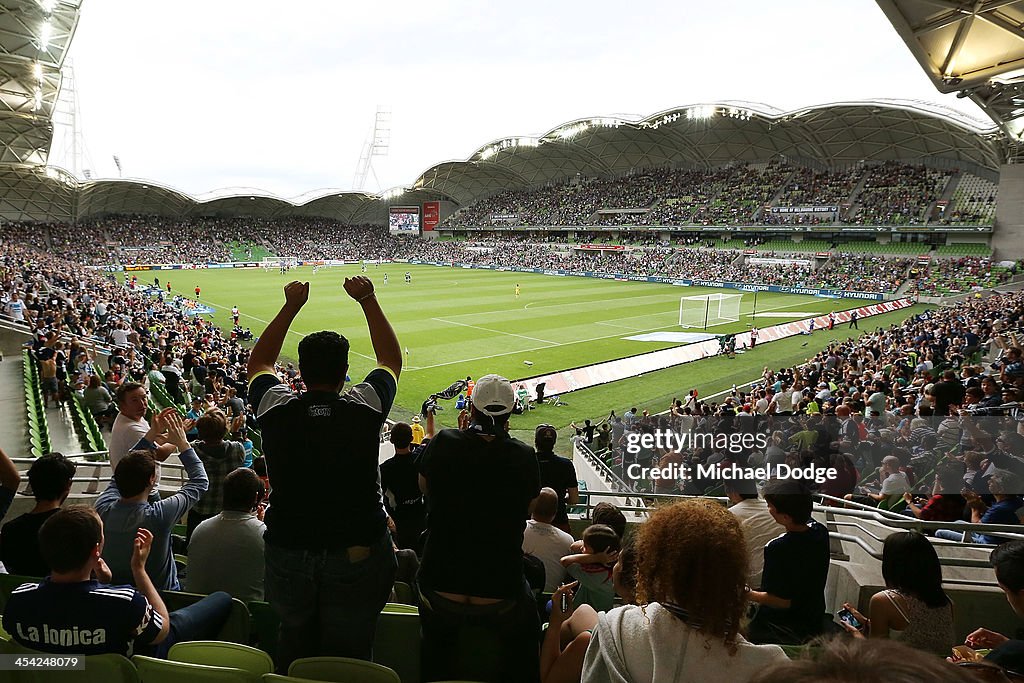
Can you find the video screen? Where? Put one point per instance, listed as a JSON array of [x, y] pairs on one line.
[[404, 220]]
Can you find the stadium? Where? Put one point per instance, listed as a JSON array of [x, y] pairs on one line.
[[725, 391]]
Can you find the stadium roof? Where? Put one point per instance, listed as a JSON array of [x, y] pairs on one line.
[[34, 37], [714, 134], [971, 47], [702, 135]]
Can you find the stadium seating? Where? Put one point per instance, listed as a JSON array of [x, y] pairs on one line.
[[218, 653], [38, 432], [964, 249], [974, 202], [397, 644], [153, 670], [341, 669], [89, 434], [235, 630], [107, 668]]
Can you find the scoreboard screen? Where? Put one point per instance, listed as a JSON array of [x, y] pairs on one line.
[[404, 220]]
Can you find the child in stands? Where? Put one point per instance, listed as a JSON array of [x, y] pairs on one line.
[[593, 568]]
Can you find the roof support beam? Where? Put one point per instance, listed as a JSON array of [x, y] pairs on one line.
[[999, 21], [958, 40]]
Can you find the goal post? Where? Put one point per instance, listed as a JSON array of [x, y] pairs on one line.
[[708, 310]]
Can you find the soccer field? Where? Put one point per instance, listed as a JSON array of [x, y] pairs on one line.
[[456, 322]]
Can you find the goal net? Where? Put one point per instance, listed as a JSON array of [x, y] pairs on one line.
[[278, 261], [707, 310]]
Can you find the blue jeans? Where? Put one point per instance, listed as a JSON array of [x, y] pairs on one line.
[[328, 600], [959, 536], [202, 620]]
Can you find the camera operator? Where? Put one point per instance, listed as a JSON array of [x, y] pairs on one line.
[[471, 578]]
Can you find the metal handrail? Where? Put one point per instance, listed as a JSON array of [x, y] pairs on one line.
[[8, 323]]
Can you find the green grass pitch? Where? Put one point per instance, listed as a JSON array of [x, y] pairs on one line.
[[457, 322]]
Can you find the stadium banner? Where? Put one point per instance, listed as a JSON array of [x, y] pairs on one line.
[[765, 261], [610, 371], [805, 209], [431, 215], [602, 247]]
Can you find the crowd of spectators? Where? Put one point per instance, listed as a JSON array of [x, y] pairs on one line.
[[895, 391], [888, 401], [863, 272], [898, 194], [891, 193], [123, 240], [964, 274]]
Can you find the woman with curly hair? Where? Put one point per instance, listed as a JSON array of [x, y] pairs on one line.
[[690, 578]]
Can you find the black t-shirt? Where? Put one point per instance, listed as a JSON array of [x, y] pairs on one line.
[[478, 500], [796, 568], [947, 393], [399, 480], [559, 474], [322, 454], [19, 545]]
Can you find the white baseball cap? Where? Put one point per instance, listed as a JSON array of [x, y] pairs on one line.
[[493, 396]]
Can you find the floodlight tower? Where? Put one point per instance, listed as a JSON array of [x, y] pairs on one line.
[[74, 154], [376, 146]]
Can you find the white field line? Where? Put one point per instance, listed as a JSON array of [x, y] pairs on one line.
[[487, 329], [551, 345]]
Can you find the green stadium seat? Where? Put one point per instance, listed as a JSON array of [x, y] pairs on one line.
[[108, 668], [153, 670], [401, 608], [341, 670], [266, 627], [218, 653], [403, 593], [235, 629], [397, 644]]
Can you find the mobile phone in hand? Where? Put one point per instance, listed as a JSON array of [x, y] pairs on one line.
[[846, 616], [564, 604]]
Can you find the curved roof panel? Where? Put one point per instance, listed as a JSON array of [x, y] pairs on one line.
[[697, 136], [714, 134], [130, 196], [27, 193]]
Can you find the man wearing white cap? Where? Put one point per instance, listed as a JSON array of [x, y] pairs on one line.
[[478, 616]]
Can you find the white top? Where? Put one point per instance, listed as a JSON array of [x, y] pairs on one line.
[[759, 527], [650, 645], [896, 484], [784, 402], [119, 337], [123, 436], [237, 536], [549, 545]]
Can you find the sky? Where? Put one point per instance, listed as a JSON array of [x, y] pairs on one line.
[[203, 95]]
